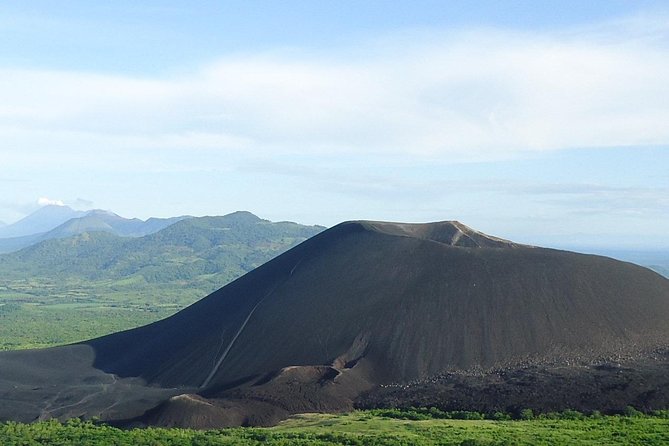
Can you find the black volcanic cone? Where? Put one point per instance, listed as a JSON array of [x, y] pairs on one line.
[[369, 303]]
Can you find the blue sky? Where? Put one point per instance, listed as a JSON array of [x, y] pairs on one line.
[[544, 122]]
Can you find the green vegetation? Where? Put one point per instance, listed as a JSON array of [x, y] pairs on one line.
[[67, 290], [362, 428]]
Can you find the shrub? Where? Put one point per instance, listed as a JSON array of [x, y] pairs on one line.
[[569, 414], [526, 414], [660, 414], [500, 416], [630, 411], [466, 415]]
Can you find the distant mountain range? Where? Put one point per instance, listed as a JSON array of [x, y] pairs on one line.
[[44, 219], [61, 290], [54, 222], [189, 247]]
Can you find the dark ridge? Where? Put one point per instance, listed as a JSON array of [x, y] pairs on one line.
[[427, 308], [452, 233]]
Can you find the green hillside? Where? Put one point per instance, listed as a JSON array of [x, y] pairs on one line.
[[64, 290]]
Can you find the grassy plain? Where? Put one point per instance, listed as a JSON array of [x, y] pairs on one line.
[[42, 312], [360, 428]]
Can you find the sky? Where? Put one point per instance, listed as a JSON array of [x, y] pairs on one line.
[[542, 122]]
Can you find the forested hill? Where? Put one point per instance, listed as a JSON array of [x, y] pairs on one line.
[[226, 246], [70, 289]]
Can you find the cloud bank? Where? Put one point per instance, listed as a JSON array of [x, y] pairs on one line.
[[464, 96]]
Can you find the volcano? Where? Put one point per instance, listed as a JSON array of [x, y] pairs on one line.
[[368, 314]]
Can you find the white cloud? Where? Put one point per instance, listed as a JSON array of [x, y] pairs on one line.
[[472, 95], [43, 201]]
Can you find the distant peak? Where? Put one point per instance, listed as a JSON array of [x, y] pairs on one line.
[[244, 216], [55, 208], [450, 232], [102, 212]]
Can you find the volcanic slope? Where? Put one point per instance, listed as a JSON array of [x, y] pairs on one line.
[[353, 310]]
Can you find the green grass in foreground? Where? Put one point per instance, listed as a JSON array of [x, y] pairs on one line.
[[359, 428]]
